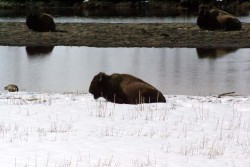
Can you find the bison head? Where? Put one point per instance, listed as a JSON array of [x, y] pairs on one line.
[[207, 20], [32, 21], [98, 85]]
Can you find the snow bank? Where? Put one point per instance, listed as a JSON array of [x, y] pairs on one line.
[[39, 129]]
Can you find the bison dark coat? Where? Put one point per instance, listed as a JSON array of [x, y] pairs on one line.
[[40, 22], [124, 88], [215, 19]]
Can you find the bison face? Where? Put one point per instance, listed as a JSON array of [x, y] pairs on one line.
[[32, 21], [201, 20], [208, 21], [98, 85]]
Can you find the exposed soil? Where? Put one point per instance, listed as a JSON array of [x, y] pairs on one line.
[[125, 35]]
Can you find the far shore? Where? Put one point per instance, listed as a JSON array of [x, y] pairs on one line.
[[91, 4]]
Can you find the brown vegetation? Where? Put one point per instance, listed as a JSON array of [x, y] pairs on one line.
[[125, 35]]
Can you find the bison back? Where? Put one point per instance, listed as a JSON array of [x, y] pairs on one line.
[[140, 92], [47, 23], [229, 23]]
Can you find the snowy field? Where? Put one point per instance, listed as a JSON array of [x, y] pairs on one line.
[[74, 130]]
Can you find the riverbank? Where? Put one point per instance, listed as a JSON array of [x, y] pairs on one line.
[[124, 35], [192, 5], [91, 5], [31, 4]]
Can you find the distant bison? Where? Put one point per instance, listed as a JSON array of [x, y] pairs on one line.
[[11, 88], [42, 22], [124, 88], [215, 19]]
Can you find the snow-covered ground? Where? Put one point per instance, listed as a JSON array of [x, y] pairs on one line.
[[74, 130]]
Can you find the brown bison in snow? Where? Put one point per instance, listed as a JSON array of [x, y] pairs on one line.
[[42, 22], [215, 19], [124, 88]]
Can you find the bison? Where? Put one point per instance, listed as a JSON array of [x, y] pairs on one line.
[[41, 22], [215, 19], [11, 88], [124, 88]]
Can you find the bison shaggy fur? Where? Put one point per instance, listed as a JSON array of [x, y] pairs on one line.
[[215, 19], [41, 22], [124, 88]]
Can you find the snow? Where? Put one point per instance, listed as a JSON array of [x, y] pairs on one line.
[[64, 130]]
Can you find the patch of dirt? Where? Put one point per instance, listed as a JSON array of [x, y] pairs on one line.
[[125, 35]]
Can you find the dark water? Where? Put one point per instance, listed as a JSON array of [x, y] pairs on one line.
[[119, 15], [173, 71]]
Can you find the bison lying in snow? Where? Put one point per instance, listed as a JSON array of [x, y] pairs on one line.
[[124, 88], [215, 19]]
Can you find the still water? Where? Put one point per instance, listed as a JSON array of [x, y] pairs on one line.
[[186, 71]]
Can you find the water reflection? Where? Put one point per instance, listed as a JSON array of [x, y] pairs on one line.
[[214, 52], [39, 50], [171, 70]]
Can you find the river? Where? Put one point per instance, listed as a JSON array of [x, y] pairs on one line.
[[177, 71]]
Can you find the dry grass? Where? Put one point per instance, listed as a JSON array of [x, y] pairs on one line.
[[125, 35]]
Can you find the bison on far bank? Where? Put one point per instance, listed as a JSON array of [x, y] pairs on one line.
[[124, 88], [215, 19], [40, 22]]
